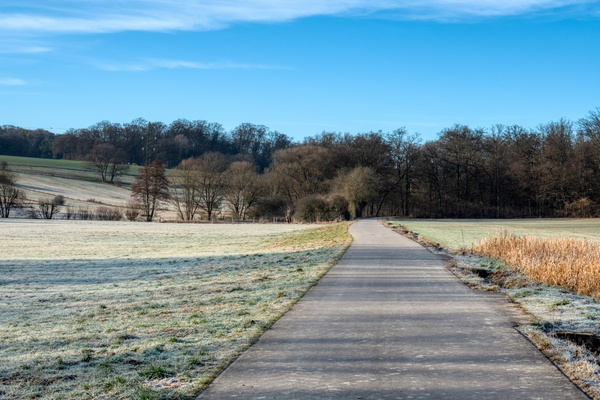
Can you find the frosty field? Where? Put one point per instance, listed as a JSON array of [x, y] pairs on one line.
[[117, 310], [45, 178], [457, 234]]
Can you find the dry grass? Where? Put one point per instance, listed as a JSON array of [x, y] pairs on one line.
[[573, 264], [116, 310]]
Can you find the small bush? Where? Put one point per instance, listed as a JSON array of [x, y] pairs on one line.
[[338, 206], [69, 213], [313, 209], [32, 213], [84, 214], [108, 214], [268, 208], [132, 211]]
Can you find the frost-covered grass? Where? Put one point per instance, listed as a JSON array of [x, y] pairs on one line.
[[115, 310], [576, 362], [41, 178], [462, 234], [77, 192]]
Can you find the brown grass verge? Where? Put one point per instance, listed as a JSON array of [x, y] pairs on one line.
[[573, 264]]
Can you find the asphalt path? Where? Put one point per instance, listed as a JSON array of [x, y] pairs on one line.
[[389, 322]]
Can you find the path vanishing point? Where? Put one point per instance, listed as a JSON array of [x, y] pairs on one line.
[[389, 322]]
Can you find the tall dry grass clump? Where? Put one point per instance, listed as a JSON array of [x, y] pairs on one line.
[[573, 264]]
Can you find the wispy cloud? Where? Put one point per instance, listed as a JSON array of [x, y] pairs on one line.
[[460, 10], [33, 50], [152, 64], [12, 82], [25, 49], [95, 16]]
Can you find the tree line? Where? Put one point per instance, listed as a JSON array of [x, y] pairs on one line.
[[141, 142], [249, 172]]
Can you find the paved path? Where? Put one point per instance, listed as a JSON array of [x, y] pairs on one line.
[[388, 322]]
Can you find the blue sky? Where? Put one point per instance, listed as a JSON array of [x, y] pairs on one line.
[[299, 67]]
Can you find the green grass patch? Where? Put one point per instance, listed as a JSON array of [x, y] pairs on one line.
[[18, 163]]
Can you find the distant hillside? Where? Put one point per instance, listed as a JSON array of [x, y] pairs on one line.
[[45, 178]]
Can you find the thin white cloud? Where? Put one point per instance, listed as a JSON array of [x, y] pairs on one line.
[[153, 64], [467, 9], [12, 82], [94, 16], [33, 50], [11, 49]]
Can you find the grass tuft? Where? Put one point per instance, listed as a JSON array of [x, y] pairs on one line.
[[154, 372]]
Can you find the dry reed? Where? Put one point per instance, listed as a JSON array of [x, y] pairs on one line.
[[573, 264]]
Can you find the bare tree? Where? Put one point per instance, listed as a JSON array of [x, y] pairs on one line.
[[403, 149], [185, 190], [65, 146], [49, 207], [299, 172], [242, 188], [10, 195], [556, 163], [150, 188], [589, 154], [524, 152], [107, 161], [590, 126], [211, 181]]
